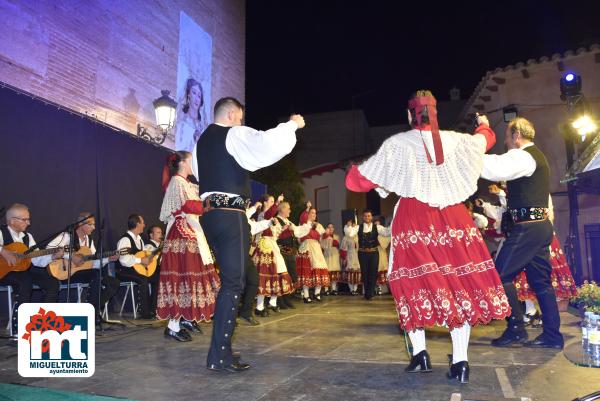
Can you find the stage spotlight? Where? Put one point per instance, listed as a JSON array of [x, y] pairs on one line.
[[584, 126], [570, 85]]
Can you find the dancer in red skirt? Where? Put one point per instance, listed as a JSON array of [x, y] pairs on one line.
[[330, 242], [188, 284], [441, 272], [310, 262], [273, 278]]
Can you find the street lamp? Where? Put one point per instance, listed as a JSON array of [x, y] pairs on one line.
[[164, 109]]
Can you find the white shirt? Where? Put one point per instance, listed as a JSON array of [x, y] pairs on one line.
[[64, 239], [352, 231], [515, 163], [151, 246], [125, 242], [40, 261], [253, 149]]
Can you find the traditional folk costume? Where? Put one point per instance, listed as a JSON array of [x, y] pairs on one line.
[[224, 157], [368, 253], [528, 241], [273, 278], [382, 248], [310, 262], [440, 272], [351, 275], [331, 252], [189, 283]]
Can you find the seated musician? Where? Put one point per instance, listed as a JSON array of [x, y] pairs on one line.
[[125, 271], [155, 235], [18, 219], [97, 295]]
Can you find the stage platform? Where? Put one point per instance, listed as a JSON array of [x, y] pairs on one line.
[[342, 349]]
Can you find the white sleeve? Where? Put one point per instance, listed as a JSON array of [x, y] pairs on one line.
[[384, 231], [195, 163], [480, 220], [250, 211], [127, 260], [351, 231], [258, 226], [320, 229], [301, 231], [40, 261], [492, 211], [515, 163], [254, 149], [550, 209]]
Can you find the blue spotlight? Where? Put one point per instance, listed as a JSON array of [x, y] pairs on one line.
[[570, 85], [569, 77]]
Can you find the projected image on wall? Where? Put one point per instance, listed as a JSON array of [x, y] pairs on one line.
[[194, 70]]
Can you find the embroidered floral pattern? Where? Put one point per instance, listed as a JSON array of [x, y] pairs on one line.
[[448, 237]]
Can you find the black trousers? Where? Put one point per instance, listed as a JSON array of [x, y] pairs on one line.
[[147, 301], [22, 284], [527, 248], [369, 266], [97, 294], [250, 289], [290, 263], [228, 234]]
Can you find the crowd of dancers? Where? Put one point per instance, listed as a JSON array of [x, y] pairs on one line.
[[222, 258]]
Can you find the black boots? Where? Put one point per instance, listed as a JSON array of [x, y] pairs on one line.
[[459, 371], [419, 363]]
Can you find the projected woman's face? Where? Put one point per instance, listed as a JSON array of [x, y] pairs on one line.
[[195, 97]]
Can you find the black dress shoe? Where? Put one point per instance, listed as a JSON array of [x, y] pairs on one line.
[[261, 313], [318, 298], [542, 342], [459, 371], [334, 292], [419, 363], [191, 326], [307, 300], [180, 335], [234, 367], [510, 338], [250, 320], [275, 309]]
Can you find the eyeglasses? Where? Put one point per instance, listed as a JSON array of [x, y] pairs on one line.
[[24, 220]]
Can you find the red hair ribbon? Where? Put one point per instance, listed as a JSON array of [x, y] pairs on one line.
[[166, 174], [419, 104]]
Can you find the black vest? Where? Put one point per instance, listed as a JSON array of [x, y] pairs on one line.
[[133, 250], [531, 191], [290, 241], [367, 240], [8, 239], [217, 169]]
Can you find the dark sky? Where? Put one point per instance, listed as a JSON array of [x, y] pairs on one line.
[[318, 56]]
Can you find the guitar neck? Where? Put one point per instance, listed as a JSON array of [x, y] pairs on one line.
[[107, 254], [41, 252]]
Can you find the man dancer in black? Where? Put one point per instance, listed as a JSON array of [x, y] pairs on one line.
[[225, 154], [526, 171], [368, 254]]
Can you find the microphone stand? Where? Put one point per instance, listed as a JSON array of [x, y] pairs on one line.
[[101, 322]]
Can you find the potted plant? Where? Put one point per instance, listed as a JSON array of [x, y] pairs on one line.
[[587, 298]]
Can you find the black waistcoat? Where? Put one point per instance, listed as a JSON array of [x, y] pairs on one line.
[[367, 240], [8, 239], [531, 191], [217, 169]]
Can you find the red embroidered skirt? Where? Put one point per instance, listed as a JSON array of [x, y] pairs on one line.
[[352, 277], [382, 278], [335, 276], [271, 283], [187, 287], [442, 272], [562, 280], [309, 276]]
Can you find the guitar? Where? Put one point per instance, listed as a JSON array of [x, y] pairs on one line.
[[23, 257], [59, 268], [149, 270]]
